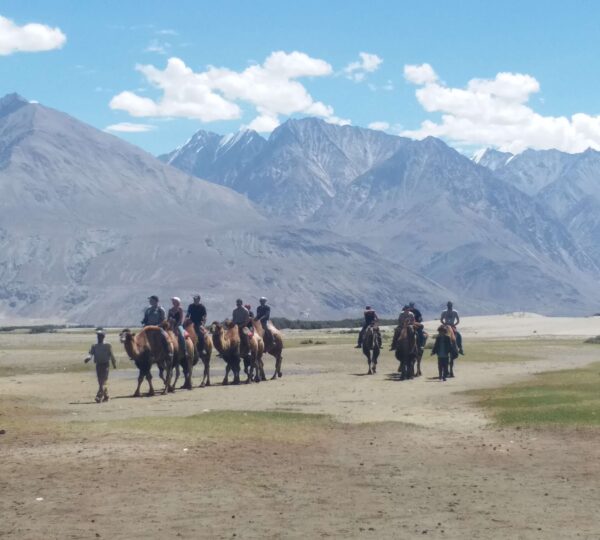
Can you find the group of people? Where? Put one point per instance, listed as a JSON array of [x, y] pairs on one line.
[[196, 312], [448, 342]]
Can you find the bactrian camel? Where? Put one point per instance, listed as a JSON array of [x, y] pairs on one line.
[[150, 345], [204, 354], [273, 343], [226, 339], [186, 359]]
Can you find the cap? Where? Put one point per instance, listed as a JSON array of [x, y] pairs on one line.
[[153, 297], [262, 299], [176, 298], [100, 332], [196, 296]]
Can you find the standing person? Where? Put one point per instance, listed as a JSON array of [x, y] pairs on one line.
[[175, 318], [155, 314], [102, 354], [444, 348], [196, 313], [450, 317], [370, 317]]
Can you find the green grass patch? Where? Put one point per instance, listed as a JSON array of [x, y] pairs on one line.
[[563, 398], [233, 425]]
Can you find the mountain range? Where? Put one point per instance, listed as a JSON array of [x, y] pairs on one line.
[[91, 225], [322, 219], [471, 225]]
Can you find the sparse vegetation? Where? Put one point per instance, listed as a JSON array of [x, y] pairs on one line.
[[564, 398]]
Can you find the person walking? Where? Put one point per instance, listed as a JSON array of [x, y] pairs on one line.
[[101, 353], [444, 348]]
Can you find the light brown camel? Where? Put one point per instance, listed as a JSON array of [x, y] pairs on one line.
[[273, 343], [150, 345], [255, 368], [204, 354], [186, 359], [226, 339]]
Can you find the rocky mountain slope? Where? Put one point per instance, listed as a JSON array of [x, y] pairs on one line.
[[91, 225], [422, 204], [567, 185]]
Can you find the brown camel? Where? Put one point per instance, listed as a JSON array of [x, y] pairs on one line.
[[273, 343], [150, 345], [186, 359], [407, 350], [226, 339], [255, 368], [371, 346], [204, 354]]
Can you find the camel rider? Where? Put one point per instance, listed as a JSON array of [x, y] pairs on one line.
[[406, 317], [263, 312], [175, 317], [370, 317], [418, 319], [196, 313], [450, 318], [155, 314], [241, 317]]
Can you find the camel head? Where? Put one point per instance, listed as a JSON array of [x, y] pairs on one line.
[[126, 335]]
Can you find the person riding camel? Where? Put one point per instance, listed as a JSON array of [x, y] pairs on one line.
[[175, 318], [196, 313], [263, 312], [419, 327], [155, 314], [406, 318], [450, 318], [370, 318], [241, 317]]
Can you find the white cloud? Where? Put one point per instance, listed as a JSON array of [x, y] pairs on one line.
[[495, 112], [126, 127], [271, 88], [167, 32], [367, 63], [422, 74], [379, 126], [32, 37]]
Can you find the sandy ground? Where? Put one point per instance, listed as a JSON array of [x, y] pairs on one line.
[[397, 460]]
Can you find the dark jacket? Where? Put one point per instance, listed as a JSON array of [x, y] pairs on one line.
[[370, 316], [196, 313], [417, 314], [444, 347], [263, 313]]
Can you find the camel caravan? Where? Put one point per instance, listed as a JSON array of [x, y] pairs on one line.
[[175, 342], [409, 342]]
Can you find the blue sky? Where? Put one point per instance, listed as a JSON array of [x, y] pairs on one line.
[[549, 49]]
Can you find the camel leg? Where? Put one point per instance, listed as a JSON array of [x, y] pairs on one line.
[[236, 370], [260, 376], [149, 379], [227, 370], [140, 379], [278, 361], [206, 374]]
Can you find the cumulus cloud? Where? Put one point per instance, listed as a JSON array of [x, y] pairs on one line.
[[367, 63], [127, 127], [422, 74], [271, 88], [32, 37], [495, 112]]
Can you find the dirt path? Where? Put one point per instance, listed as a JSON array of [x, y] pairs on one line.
[[402, 459]]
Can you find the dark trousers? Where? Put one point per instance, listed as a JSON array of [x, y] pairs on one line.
[[361, 334], [200, 334], [458, 340], [443, 366]]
